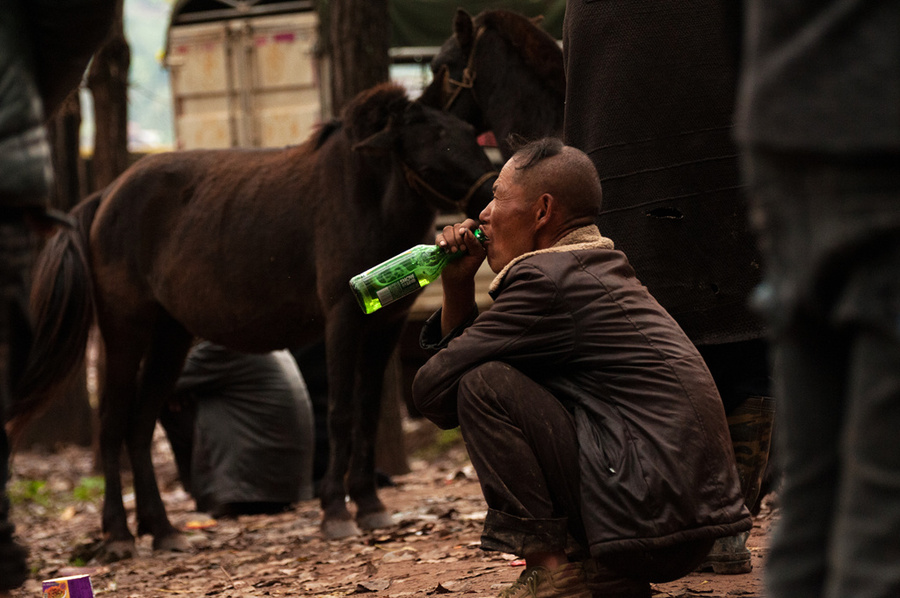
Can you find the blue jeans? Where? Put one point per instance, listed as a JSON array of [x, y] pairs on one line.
[[830, 237]]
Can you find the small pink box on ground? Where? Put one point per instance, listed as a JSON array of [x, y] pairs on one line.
[[75, 586]]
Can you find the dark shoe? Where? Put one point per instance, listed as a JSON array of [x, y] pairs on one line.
[[566, 581], [729, 556]]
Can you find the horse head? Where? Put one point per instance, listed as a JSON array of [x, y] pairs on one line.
[[438, 153], [454, 70], [500, 71]]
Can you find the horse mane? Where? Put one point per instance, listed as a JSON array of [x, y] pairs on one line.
[[370, 111], [538, 48], [365, 114]]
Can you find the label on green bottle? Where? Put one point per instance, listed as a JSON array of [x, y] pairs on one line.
[[398, 289]]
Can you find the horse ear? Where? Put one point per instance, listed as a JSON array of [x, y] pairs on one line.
[[536, 21], [433, 95], [463, 29]]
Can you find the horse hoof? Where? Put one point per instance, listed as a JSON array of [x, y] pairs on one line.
[[117, 550], [335, 529], [172, 543], [376, 520]]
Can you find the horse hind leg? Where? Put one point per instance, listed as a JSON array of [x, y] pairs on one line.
[[119, 391], [162, 366]]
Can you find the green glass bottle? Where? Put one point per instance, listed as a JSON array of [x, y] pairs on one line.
[[402, 274]]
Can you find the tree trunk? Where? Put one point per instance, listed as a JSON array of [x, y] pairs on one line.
[[63, 131], [108, 82], [359, 38], [358, 42]]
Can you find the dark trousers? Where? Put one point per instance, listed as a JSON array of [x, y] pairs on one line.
[[830, 234], [523, 446], [16, 244], [522, 443]]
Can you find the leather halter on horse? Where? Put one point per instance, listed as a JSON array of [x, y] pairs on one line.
[[421, 186], [451, 88]]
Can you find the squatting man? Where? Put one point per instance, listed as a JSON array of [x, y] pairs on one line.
[[594, 426]]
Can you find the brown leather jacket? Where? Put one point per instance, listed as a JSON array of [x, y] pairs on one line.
[[656, 461]]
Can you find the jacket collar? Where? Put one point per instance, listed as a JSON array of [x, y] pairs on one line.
[[586, 237]]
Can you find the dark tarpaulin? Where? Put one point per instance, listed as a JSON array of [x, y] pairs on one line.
[[652, 105]]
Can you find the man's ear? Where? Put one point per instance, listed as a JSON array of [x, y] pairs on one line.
[[544, 208]]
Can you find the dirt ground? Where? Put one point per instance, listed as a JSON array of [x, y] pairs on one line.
[[433, 548]]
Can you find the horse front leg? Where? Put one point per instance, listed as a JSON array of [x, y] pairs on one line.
[[341, 354], [377, 347], [163, 364], [343, 351]]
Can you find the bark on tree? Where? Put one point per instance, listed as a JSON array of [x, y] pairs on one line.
[[63, 132], [358, 41], [108, 82], [359, 38]]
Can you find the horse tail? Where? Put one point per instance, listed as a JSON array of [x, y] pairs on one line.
[[62, 311]]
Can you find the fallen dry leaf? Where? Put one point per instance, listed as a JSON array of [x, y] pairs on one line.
[[435, 547], [404, 554], [446, 587], [372, 585]]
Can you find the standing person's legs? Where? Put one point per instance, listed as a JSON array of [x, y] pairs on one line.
[[809, 369], [865, 550], [15, 258], [13, 568], [826, 224]]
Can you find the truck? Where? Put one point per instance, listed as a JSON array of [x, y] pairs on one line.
[[250, 73], [245, 75]]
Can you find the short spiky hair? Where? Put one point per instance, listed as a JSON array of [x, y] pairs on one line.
[[549, 166], [533, 152]]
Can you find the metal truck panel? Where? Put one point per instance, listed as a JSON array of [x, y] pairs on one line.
[[245, 82]]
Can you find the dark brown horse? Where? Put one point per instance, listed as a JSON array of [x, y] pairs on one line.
[[500, 72], [251, 249]]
